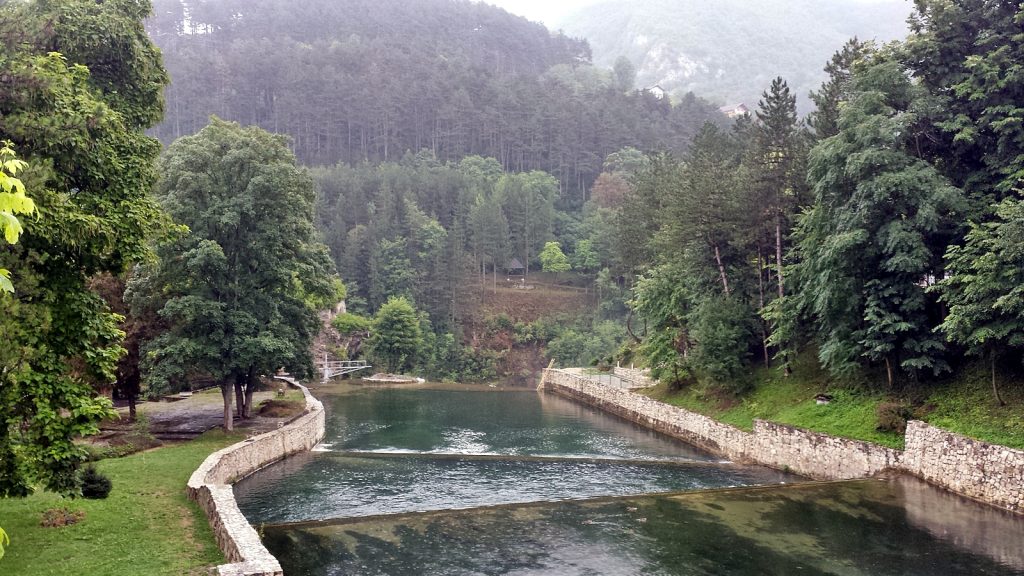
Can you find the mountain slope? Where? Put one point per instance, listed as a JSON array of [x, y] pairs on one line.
[[730, 50], [370, 80]]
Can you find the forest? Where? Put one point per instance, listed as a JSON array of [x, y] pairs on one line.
[[185, 190], [455, 78]]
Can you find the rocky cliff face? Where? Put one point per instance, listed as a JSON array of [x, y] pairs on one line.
[[332, 344], [729, 50]]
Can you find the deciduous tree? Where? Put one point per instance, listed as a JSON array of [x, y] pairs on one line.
[[984, 288], [78, 120], [238, 290], [396, 336], [552, 259], [873, 239]]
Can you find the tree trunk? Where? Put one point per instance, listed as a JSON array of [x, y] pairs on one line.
[[760, 304], [721, 270], [225, 390], [995, 389], [629, 326], [778, 253], [888, 371], [250, 389], [239, 398], [131, 407]]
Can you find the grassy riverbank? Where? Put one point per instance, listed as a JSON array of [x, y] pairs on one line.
[[146, 525], [963, 404]]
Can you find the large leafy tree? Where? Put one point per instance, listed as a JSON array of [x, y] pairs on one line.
[[396, 338], [873, 239], [665, 303], [240, 288], [967, 54], [81, 82]]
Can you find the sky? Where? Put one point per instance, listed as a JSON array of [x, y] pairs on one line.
[[552, 12]]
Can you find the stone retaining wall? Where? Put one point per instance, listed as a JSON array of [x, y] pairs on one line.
[[210, 487], [985, 472]]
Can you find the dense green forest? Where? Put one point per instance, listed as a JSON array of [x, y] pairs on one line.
[[729, 50], [354, 80], [878, 234]]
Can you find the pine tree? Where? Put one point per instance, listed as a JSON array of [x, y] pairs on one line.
[[836, 90]]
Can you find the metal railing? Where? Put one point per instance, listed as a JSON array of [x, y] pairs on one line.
[[331, 369]]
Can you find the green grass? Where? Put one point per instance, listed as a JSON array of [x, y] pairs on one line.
[[966, 405], [146, 525], [790, 400], [963, 404]]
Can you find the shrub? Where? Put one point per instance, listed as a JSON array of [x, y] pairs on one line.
[[95, 485], [892, 417], [350, 323]]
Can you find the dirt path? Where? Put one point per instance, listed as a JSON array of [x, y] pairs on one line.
[[187, 418]]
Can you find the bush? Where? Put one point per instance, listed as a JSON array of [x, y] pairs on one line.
[[350, 323], [722, 331], [892, 417], [95, 485]]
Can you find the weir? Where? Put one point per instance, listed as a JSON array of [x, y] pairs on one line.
[[475, 480]]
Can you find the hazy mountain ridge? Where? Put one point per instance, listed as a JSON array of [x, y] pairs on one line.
[[370, 80], [730, 50]]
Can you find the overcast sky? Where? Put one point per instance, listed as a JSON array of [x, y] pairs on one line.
[[551, 12]]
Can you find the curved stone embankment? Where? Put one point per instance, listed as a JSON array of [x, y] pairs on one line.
[[210, 487], [985, 472]]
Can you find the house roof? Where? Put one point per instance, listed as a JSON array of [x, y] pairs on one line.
[[734, 109], [513, 264]]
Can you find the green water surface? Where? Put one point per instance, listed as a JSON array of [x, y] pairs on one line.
[[476, 480]]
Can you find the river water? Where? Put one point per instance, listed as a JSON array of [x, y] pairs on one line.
[[477, 480]]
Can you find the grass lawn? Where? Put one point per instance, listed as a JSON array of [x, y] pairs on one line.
[[962, 404], [146, 526], [966, 406]]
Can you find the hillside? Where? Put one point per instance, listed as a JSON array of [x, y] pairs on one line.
[[358, 80], [729, 51]]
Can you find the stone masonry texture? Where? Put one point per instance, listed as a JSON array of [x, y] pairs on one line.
[[984, 472], [210, 487]]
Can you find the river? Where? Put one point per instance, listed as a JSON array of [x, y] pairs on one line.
[[459, 480]]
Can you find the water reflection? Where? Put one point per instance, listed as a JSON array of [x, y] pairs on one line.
[[329, 485], [475, 420], [842, 529], [966, 524]]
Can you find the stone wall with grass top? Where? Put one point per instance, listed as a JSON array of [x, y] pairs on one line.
[[985, 472], [210, 487]]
